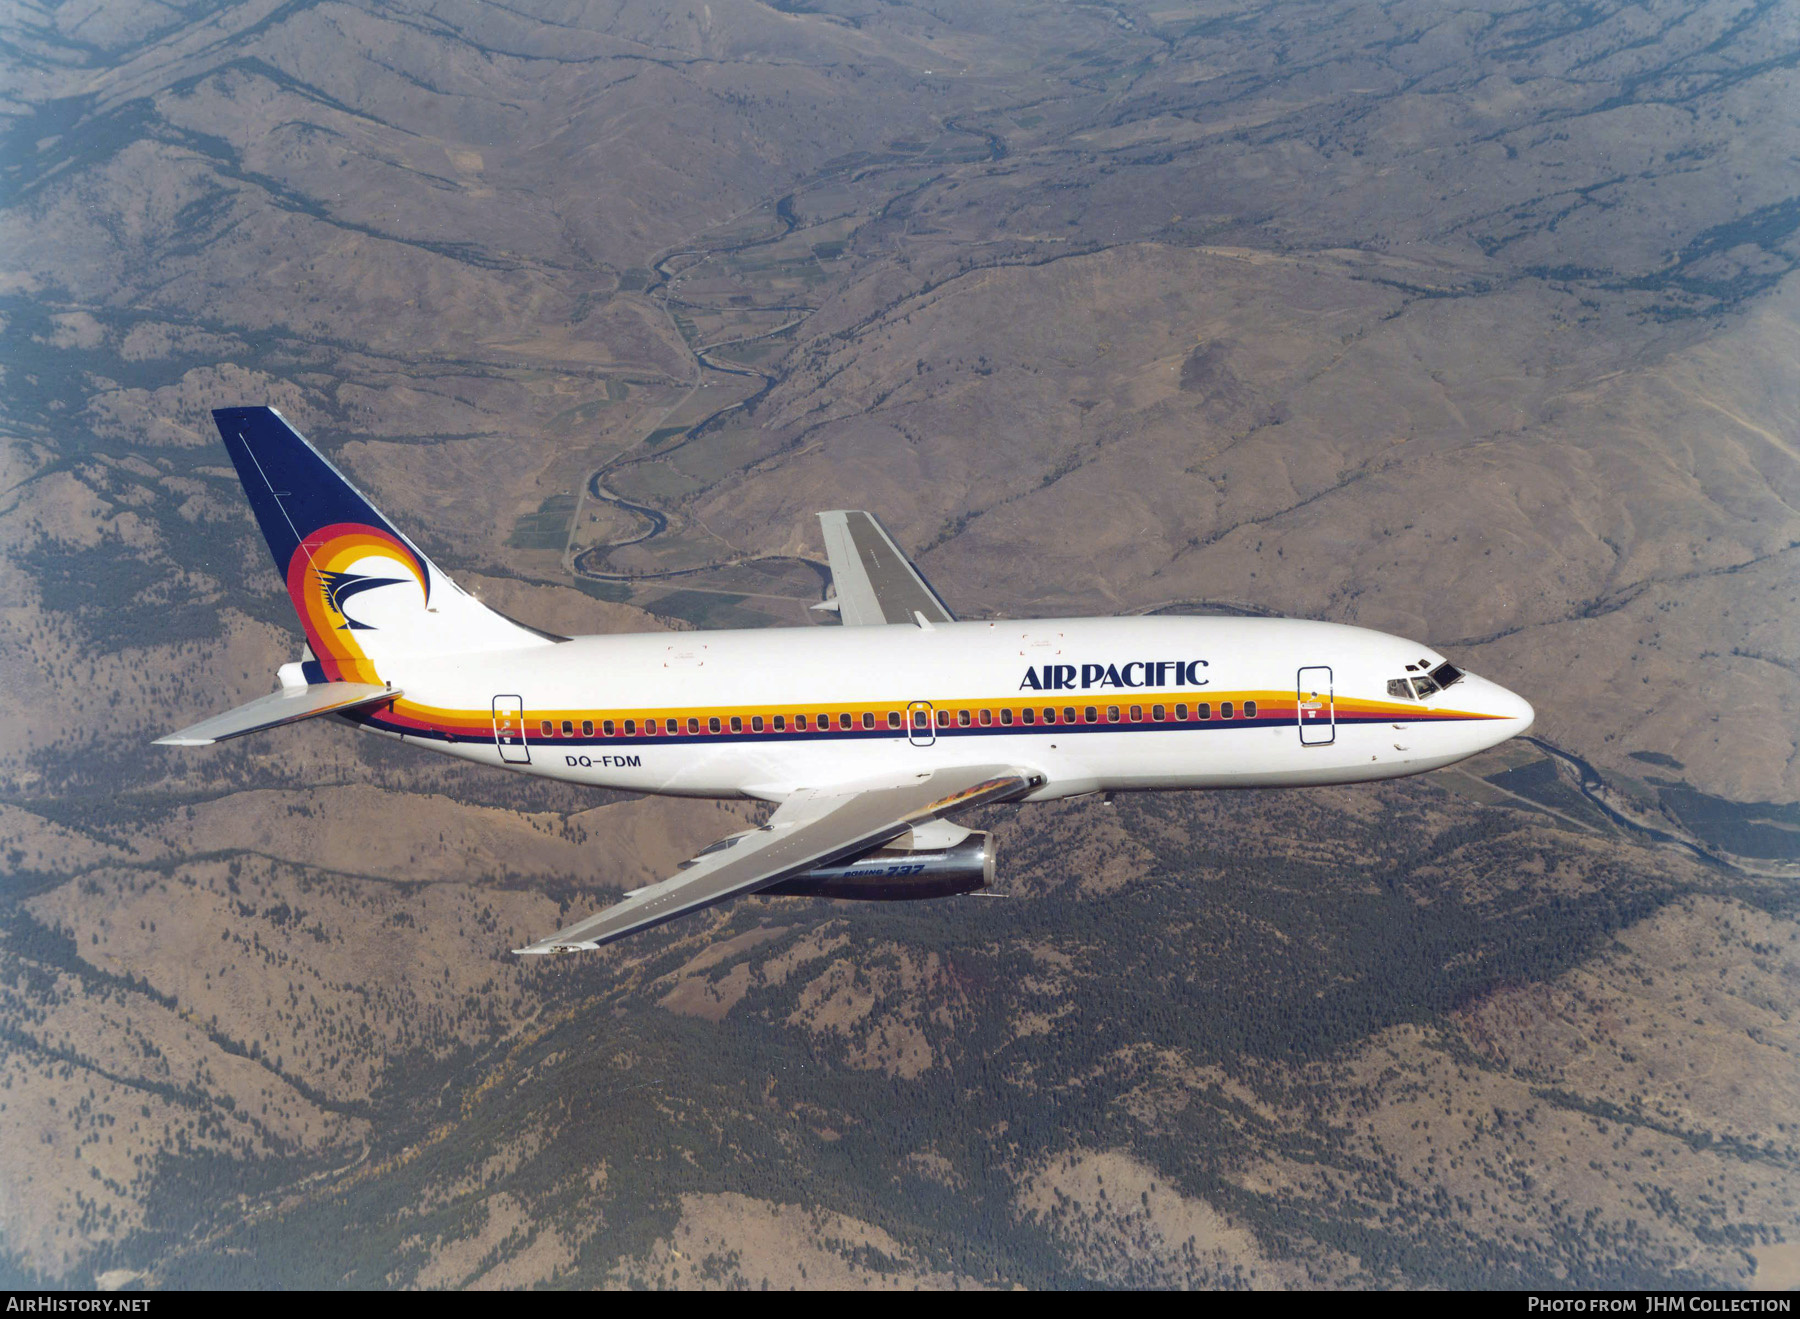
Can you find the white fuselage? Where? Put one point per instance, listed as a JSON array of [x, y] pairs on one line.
[[919, 698]]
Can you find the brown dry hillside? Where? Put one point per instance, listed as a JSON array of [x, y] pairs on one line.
[[1602, 514], [1475, 325]]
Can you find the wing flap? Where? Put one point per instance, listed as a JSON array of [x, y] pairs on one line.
[[812, 828], [286, 706], [875, 582]]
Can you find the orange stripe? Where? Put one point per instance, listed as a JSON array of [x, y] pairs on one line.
[[1270, 704]]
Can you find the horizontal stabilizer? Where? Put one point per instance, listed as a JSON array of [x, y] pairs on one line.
[[286, 706]]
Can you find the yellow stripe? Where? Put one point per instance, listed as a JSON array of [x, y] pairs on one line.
[[1286, 699]]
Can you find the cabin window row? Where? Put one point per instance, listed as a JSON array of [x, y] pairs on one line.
[[1089, 714], [921, 720], [693, 726]]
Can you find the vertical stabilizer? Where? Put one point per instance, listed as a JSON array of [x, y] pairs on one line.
[[365, 594]]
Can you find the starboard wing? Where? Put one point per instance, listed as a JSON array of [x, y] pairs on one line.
[[875, 582]]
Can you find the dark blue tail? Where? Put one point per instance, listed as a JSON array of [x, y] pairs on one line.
[[293, 489], [367, 598]]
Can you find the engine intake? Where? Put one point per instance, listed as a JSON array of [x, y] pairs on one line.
[[896, 874]]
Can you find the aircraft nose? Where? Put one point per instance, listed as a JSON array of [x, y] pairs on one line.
[[1512, 707]]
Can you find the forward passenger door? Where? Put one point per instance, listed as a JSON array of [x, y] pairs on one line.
[[1318, 718]]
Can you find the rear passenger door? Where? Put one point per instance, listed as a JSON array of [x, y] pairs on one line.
[[509, 730]]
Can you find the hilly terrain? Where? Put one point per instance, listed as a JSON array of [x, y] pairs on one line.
[[1475, 325]]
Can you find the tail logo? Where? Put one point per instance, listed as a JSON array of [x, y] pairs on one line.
[[329, 569], [340, 586]]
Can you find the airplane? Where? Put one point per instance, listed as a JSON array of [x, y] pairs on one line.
[[864, 736]]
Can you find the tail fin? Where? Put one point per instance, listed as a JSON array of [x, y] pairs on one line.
[[365, 594]]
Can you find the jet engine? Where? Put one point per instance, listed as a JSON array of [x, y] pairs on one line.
[[895, 872]]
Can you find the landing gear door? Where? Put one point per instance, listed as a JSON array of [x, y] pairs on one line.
[[1318, 720], [509, 730], [921, 724]]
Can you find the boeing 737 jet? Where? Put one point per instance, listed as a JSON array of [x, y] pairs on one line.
[[864, 736]]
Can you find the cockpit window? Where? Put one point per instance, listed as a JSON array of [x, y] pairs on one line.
[[1421, 685]]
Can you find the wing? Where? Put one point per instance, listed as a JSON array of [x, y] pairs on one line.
[[281, 707], [813, 827], [875, 582]]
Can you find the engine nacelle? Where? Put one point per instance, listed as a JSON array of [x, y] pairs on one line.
[[897, 874]]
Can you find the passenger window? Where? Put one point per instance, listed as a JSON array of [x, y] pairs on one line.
[[1137, 713], [630, 727], [799, 723], [1112, 714], [1091, 713], [1224, 709], [737, 723], [587, 727], [824, 723], [1006, 718], [986, 717], [1156, 713], [781, 723], [962, 718], [649, 728], [1181, 711], [606, 727], [1249, 709], [1203, 710], [1069, 714], [920, 719], [1049, 714], [568, 728], [546, 727], [943, 719], [693, 725], [756, 724], [893, 719], [712, 724], [868, 720], [1028, 715], [844, 720]]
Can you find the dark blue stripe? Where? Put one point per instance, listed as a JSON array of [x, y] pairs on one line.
[[638, 740]]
